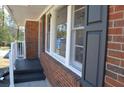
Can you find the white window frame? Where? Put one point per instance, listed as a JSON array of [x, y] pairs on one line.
[[46, 33], [73, 62], [63, 60], [76, 28], [57, 56]]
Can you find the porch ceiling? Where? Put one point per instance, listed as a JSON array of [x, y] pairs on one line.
[[22, 12]]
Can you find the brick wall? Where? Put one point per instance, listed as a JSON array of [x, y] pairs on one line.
[[57, 74], [115, 48]]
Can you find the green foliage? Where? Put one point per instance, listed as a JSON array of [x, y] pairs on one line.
[[5, 35], [21, 36]]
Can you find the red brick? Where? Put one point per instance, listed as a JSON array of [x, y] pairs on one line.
[[122, 63], [119, 23], [116, 43], [121, 78], [107, 85], [111, 9], [117, 54], [111, 74], [115, 31], [122, 55], [110, 23], [116, 46], [113, 82], [119, 7], [116, 16], [123, 47], [118, 39], [113, 61], [57, 74], [109, 38]]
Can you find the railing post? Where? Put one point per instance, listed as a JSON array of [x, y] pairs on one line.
[[11, 67], [21, 49]]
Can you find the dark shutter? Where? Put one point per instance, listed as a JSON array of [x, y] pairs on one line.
[[43, 33], [95, 45]]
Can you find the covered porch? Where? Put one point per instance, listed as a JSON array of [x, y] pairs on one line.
[[25, 68], [65, 44]]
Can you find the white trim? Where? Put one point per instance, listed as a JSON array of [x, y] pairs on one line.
[[68, 37], [11, 13], [47, 31], [53, 30], [63, 60], [45, 10], [73, 14], [78, 9], [58, 58]]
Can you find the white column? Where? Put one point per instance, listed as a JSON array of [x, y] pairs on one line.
[[68, 37], [11, 68]]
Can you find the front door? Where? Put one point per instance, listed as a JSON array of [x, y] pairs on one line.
[[31, 36]]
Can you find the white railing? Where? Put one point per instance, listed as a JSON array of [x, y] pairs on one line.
[[20, 49], [12, 58], [17, 51]]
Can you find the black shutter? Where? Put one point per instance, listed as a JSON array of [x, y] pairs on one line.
[[95, 45]]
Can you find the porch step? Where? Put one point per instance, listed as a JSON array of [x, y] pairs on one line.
[[25, 77], [28, 70]]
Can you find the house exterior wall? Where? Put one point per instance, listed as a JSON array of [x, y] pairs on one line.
[[115, 47], [59, 75]]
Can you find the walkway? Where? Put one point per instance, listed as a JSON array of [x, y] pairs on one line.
[[41, 83]]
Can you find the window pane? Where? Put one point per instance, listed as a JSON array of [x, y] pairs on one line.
[[79, 37], [79, 54], [61, 31], [48, 32], [48, 41], [79, 18]]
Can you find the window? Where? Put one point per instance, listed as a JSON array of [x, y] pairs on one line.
[[65, 30], [61, 28], [48, 32], [78, 13]]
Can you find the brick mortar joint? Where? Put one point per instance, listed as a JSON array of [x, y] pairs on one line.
[[115, 80], [114, 65]]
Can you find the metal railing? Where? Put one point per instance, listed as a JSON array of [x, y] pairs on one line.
[[17, 51], [20, 49], [12, 58]]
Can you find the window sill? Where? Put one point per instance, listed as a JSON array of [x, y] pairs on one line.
[[62, 61]]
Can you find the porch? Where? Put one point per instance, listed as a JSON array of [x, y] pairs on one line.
[[57, 36], [71, 43], [22, 72]]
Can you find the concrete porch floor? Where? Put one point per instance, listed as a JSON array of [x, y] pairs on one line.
[[41, 83]]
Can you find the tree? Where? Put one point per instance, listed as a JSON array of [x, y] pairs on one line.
[[6, 35]]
